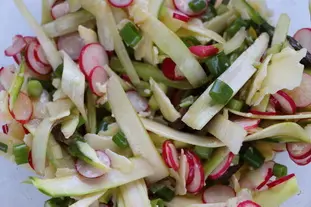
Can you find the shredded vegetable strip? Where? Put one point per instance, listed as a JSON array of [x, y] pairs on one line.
[[135, 194], [88, 200]]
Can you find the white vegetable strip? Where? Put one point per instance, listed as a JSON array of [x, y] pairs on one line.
[[59, 109], [69, 125], [168, 110], [76, 185], [202, 110], [49, 48], [39, 145], [230, 133], [100, 142], [182, 201], [220, 23], [281, 30], [119, 162], [135, 194], [74, 5], [235, 42], [73, 83], [46, 12], [88, 200], [170, 44], [132, 127], [88, 35]]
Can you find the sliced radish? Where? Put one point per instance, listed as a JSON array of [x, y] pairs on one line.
[[170, 155], [92, 55], [4, 129], [183, 6], [60, 9], [278, 147], [271, 108], [180, 16], [203, 51], [40, 55], [222, 168], [170, 70], [72, 44], [275, 103], [190, 161], [18, 45], [217, 194], [303, 36], [98, 78], [89, 171], [298, 150], [33, 64], [139, 103], [120, 3], [301, 162], [22, 109], [18, 58], [197, 183], [287, 103], [246, 123], [280, 181], [262, 113], [248, 203], [6, 77], [30, 160], [302, 94], [126, 78], [30, 39]]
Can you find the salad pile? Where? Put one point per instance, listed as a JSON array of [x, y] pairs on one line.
[[158, 103]]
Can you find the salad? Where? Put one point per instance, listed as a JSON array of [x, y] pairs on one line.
[[158, 103]]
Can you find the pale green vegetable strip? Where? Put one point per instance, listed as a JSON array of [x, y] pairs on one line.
[[168, 110], [170, 44], [235, 42], [77, 185], [91, 112], [281, 30], [132, 127], [74, 5], [46, 16], [155, 7], [125, 85], [119, 162], [88, 35], [310, 8], [230, 133], [220, 23], [39, 145], [69, 125], [100, 142], [73, 84], [119, 199], [59, 109], [135, 194], [203, 109], [49, 48], [88, 200], [183, 201], [69, 23]]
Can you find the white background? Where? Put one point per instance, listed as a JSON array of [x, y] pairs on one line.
[[15, 194]]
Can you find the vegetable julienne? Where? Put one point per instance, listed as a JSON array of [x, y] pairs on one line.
[[164, 103]]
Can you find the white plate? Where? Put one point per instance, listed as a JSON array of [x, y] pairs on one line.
[[15, 194]]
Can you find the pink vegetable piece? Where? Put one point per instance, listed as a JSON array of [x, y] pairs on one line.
[[301, 162], [183, 6], [288, 105], [120, 3], [280, 180], [18, 45], [139, 103], [72, 44], [197, 183], [246, 123], [217, 194], [60, 9], [303, 36], [22, 109], [98, 78], [248, 203], [170, 70], [204, 51], [33, 63], [190, 161], [298, 150], [180, 16], [170, 155], [222, 168]]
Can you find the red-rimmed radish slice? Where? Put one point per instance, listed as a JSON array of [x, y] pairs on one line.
[[89, 171], [40, 56], [170, 155], [22, 109], [120, 3], [6, 77], [30, 160], [248, 203], [302, 94], [60, 9], [280, 180], [217, 194], [183, 6], [190, 161], [97, 79], [287, 103], [170, 70], [298, 150], [18, 45], [4, 129], [203, 51], [262, 113], [92, 55], [139, 103], [303, 36], [246, 123], [180, 16], [197, 183], [33, 63], [278, 147], [17, 58], [273, 102], [271, 108], [72, 44], [301, 162], [222, 168], [126, 78], [30, 39]]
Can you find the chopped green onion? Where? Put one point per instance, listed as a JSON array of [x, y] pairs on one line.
[[203, 152], [253, 157], [34, 88], [221, 92], [162, 191], [143, 88], [20, 152], [236, 26], [130, 34], [218, 64], [103, 125], [235, 104], [17, 84], [46, 84], [81, 121], [186, 102], [3, 147], [58, 73], [197, 5], [190, 41], [222, 9], [279, 170], [59, 202], [157, 203], [120, 140], [209, 14]]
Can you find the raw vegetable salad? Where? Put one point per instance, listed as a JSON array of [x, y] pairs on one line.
[[154, 103]]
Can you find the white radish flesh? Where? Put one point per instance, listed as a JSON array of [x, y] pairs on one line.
[[32, 62], [60, 10], [247, 124], [170, 155], [299, 150], [183, 6], [301, 162], [30, 39], [303, 36], [40, 56], [139, 103], [6, 77], [287, 103], [120, 3], [198, 179], [248, 203], [222, 168], [22, 109], [18, 45], [218, 194], [72, 44], [97, 80]]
